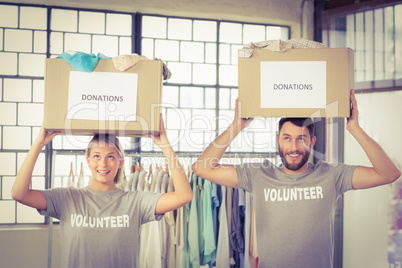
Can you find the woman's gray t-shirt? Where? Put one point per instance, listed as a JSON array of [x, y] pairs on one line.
[[100, 228]]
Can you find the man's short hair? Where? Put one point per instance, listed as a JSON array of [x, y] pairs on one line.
[[300, 122]]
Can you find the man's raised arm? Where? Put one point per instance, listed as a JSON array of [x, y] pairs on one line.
[[207, 165], [384, 170]]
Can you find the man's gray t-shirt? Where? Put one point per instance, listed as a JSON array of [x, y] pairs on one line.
[[295, 213], [100, 228]]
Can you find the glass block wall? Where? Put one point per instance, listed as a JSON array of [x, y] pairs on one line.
[[23, 47], [198, 100], [375, 34]]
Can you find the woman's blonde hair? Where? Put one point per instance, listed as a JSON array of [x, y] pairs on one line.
[[113, 141]]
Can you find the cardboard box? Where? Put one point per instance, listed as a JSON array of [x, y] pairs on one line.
[[296, 83], [103, 101]]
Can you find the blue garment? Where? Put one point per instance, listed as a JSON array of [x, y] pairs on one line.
[[84, 62], [193, 235]]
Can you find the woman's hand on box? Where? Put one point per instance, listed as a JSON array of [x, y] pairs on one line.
[[161, 140]]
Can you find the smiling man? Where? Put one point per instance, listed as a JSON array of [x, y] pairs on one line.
[[295, 202]]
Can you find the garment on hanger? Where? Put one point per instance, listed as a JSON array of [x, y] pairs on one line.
[[80, 181], [222, 253], [236, 237], [141, 180], [70, 180], [209, 246], [171, 222], [193, 237]]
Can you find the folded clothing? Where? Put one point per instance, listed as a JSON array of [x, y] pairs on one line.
[[278, 46], [82, 61], [86, 62]]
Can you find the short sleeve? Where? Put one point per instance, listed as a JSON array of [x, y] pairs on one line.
[[53, 202], [245, 173], [148, 206], [343, 175]]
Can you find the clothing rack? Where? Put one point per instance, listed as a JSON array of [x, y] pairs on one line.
[[137, 155], [133, 153]]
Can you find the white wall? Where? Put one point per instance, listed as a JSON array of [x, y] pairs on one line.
[[366, 211]]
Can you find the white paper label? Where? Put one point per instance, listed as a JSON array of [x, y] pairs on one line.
[[293, 84], [102, 96]]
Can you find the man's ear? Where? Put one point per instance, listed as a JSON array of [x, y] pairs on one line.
[[277, 138], [313, 141]]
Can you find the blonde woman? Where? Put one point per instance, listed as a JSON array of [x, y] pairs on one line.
[[100, 224]]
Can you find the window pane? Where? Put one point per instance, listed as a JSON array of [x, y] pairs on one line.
[[181, 72], [369, 41], [170, 96], [27, 214], [389, 44], [64, 20], [92, 22], [78, 42], [107, 45], [8, 63], [167, 50], [40, 41], [179, 29], [204, 74], [230, 33], [398, 41], [16, 138], [379, 44], [8, 16], [359, 52], [253, 33], [224, 98], [32, 64], [147, 48], [154, 27], [191, 97], [275, 33], [210, 97], [7, 209], [204, 30], [18, 40], [224, 54], [8, 163], [203, 120], [210, 53], [228, 75], [118, 24], [192, 51], [33, 18]]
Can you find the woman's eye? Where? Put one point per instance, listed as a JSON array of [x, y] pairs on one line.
[[111, 157], [96, 156]]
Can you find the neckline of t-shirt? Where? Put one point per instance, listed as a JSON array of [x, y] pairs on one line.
[[309, 170], [102, 192]]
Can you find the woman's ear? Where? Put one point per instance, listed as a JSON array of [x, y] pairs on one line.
[[121, 162]]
